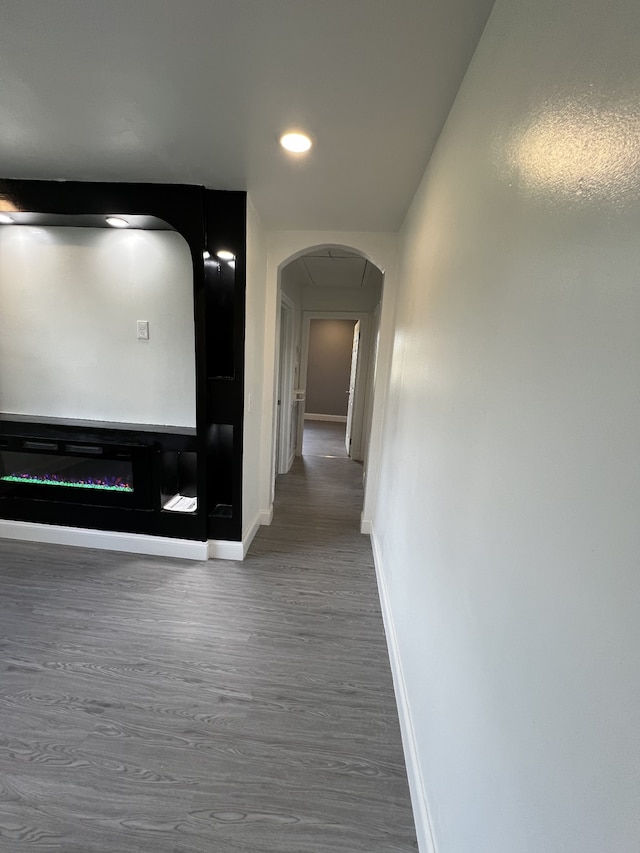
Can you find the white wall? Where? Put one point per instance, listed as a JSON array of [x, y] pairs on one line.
[[69, 302], [253, 512], [292, 288], [507, 522]]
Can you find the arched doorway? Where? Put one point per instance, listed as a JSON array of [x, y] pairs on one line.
[[330, 291], [376, 251]]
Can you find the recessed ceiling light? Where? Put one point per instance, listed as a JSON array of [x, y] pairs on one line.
[[5, 219], [225, 255], [298, 143], [117, 222]]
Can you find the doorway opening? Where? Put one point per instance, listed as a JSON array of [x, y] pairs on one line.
[[332, 365], [336, 386], [329, 309]]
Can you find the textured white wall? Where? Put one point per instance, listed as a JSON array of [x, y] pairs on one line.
[[69, 302], [507, 519]]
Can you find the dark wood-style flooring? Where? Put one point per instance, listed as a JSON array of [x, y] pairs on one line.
[[154, 705]]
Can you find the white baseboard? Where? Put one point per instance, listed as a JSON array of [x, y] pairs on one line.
[[225, 549], [365, 525], [338, 419], [421, 816], [106, 540]]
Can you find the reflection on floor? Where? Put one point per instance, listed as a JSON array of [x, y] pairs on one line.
[[157, 705]]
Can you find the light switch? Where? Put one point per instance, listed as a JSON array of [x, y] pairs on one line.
[[143, 330]]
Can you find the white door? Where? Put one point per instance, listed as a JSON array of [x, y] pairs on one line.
[[352, 385]]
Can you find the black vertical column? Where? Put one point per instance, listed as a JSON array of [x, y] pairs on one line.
[[225, 289]]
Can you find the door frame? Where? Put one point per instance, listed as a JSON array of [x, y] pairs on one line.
[[355, 361], [361, 389], [285, 453]]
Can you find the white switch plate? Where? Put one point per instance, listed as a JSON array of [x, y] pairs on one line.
[[143, 330]]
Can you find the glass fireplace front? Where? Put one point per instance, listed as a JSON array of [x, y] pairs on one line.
[[103, 474]]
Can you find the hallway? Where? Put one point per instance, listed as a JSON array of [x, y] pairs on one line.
[[163, 706], [322, 584]]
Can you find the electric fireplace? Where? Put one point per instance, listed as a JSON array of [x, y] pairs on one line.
[[101, 474]]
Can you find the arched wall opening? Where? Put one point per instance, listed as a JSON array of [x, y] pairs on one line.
[[284, 248], [328, 293]]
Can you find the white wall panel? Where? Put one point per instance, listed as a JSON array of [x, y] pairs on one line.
[[70, 299], [507, 518], [253, 512]]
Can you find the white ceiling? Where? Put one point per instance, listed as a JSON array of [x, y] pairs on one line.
[[196, 91], [334, 267]]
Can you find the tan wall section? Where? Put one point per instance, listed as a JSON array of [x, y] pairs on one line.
[[329, 366]]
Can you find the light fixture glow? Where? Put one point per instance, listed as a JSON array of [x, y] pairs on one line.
[[298, 143], [206, 255], [117, 222], [5, 219], [232, 264], [225, 255]]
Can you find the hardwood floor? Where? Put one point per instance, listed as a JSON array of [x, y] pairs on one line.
[[166, 706], [324, 438]]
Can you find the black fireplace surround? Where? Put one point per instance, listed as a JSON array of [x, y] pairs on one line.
[[122, 477]]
